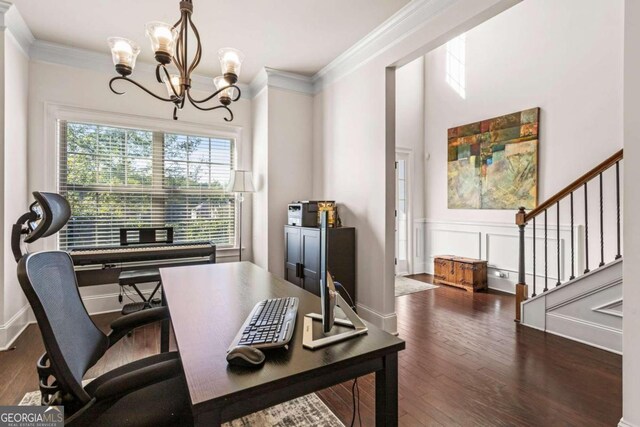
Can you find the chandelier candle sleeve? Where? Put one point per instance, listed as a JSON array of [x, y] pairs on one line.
[[124, 53], [163, 40], [171, 46], [230, 62], [226, 95]]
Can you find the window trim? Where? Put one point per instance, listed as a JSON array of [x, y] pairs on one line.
[[51, 153]]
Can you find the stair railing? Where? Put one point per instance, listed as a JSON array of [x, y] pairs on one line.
[[523, 218]]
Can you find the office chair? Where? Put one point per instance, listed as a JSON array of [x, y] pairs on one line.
[[147, 392]]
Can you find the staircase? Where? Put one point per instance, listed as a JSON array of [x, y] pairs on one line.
[[587, 305]]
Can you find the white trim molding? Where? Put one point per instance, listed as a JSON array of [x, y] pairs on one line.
[[270, 77], [623, 423], [10, 19], [497, 243], [386, 322], [410, 18]]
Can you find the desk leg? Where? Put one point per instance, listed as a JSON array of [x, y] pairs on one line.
[[387, 392], [164, 330]]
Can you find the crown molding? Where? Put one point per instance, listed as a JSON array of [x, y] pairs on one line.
[[407, 20], [59, 54], [270, 77], [10, 19]]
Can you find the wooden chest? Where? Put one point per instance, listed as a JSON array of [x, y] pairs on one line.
[[466, 273]]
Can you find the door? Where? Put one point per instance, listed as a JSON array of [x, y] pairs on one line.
[[402, 213], [293, 255], [311, 260]]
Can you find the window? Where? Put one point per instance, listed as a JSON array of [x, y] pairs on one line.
[[116, 177], [456, 49]]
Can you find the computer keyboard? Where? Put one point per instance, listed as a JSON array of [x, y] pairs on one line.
[[270, 324]]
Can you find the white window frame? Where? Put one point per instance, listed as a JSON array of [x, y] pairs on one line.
[[56, 112]]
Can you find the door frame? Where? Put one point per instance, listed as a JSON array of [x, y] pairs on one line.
[[407, 153]]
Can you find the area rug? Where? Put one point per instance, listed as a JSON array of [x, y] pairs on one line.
[[307, 410], [405, 286]]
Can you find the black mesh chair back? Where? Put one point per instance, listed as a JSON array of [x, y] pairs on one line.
[[72, 341]]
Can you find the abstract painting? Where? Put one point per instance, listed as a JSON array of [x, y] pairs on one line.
[[493, 164]]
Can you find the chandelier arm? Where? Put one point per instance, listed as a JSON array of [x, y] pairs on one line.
[[178, 54], [216, 108], [214, 94], [137, 84], [198, 54], [166, 73], [158, 78]]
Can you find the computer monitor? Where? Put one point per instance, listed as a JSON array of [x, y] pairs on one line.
[[327, 287], [329, 299]]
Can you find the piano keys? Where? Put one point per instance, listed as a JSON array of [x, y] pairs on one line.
[[102, 265]]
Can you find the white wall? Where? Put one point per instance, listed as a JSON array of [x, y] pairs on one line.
[[14, 82], [531, 56], [410, 139], [260, 118], [283, 165], [358, 155], [52, 84], [631, 288]]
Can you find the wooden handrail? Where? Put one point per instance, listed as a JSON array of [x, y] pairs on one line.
[[523, 218]]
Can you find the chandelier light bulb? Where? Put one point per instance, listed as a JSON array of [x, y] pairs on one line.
[[226, 95], [124, 53], [173, 85], [230, 62], [163, 40]]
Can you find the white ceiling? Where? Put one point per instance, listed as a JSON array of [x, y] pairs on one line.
[[299, 36]]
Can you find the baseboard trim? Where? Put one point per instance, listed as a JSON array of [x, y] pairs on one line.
[[623, 423], [11, 330], [387, 322]]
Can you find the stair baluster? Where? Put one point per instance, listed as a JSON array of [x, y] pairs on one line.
[[601, 226], [534, 258], [619, 254], [573, 263], [586, 230], [546, 260], [558, 238]]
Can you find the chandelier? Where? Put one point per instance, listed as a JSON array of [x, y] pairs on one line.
[[170, 44]]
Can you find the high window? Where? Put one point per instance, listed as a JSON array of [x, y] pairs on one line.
[[456, 49], [116, 177]]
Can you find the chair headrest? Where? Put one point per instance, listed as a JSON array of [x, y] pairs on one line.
[[52, 211]]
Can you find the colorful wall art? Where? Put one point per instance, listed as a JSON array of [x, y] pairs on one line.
[[493, 164]]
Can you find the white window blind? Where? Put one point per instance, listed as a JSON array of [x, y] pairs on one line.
[[116, 177]]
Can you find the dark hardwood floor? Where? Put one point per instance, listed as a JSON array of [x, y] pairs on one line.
[[466, 364]]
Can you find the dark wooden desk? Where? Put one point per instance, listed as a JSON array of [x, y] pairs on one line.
[[209, 303]]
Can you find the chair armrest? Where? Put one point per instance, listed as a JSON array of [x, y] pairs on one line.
[[138, 379], [125, 324]]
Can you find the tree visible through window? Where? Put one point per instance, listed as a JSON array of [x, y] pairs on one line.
[[116, 177]]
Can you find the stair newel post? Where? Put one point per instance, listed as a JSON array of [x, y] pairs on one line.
[[522, 291]]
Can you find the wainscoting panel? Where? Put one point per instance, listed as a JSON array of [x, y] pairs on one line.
[[497, 243]]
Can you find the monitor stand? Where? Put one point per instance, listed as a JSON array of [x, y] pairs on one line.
[[352, 321]]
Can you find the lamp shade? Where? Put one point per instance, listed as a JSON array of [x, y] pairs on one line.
[[241, 182]]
